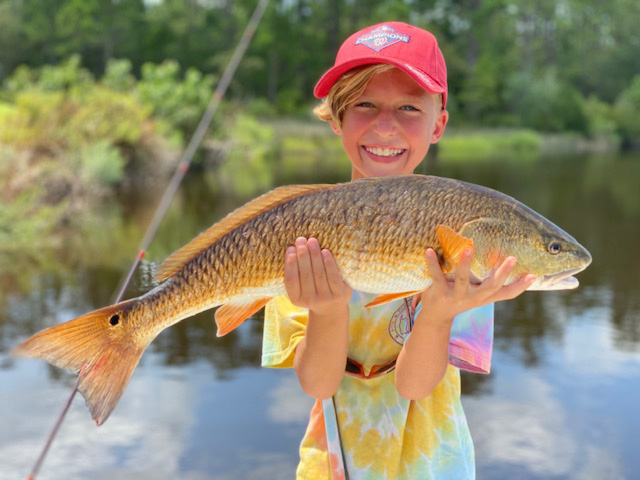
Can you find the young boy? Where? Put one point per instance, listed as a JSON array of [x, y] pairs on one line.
[[397, 413]]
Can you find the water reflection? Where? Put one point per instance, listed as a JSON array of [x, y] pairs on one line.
[[171, 423], [564, 374]]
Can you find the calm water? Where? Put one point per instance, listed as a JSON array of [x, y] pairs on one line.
[[561, 401]]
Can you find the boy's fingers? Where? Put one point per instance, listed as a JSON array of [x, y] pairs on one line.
[[305, 270], [437, 277], [511, 291], [336, 282], [463, 272], [503, 271], [319, 272], [291, 277], [496, 280]]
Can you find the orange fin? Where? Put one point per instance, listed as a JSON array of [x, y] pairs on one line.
[[255, 207], [91, 345], [389, 297], [229, 316], [453, 244]]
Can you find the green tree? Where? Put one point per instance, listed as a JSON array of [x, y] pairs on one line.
[[627, 112]]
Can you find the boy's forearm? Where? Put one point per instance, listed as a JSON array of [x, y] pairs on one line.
[[423, 360], [321, 355]]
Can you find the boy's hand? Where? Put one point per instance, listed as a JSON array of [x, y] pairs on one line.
[[448, 299], [312, 278]]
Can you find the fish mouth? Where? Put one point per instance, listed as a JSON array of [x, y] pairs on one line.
[[558, 281]]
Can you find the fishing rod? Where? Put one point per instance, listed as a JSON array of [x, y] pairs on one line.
[[169, 193]]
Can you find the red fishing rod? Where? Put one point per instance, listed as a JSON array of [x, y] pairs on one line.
[[169, 193]]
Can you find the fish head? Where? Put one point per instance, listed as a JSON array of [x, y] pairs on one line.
[[540, 247]]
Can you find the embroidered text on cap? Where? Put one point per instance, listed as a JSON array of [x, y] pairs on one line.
[[382, 37]]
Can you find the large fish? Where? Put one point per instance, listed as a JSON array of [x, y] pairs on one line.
[[377, 229]]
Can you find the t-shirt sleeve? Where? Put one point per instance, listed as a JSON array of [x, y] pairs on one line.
[[471, 340], [284, 327]]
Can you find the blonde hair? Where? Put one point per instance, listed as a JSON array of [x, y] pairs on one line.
[[347, 89]]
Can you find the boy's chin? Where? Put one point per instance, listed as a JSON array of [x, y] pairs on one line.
[[385, 170]]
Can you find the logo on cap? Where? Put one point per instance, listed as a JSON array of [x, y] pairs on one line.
[[382, 37]]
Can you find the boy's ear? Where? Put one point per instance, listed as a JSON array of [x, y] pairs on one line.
[[441, 124], [335, 129]]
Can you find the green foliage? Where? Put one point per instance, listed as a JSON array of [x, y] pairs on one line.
[[106, 115], [545, 103], [118, 76], [311, 151], [249, 167], [601, 119], [481, 94], [627, 111], [516, 63], [25, 228], [58, 121], [24, 221], [32, 121], [491, 144], [66, 76], [66, 140], [179, 102], [102, 163]]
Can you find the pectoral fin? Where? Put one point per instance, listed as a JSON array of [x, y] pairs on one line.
[[389, 297], [229, 316], [453, 244]]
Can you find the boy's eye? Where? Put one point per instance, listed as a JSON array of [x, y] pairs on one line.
[[364, 104], [409, 108]]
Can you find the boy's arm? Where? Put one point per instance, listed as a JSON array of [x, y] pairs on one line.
[[423, 359], [313, 281]]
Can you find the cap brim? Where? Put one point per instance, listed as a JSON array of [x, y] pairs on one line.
[[331, 76]]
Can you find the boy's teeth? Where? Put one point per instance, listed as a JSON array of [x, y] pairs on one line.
[[384, 152]]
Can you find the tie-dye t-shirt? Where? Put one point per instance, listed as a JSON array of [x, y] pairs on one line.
[[385, 436]]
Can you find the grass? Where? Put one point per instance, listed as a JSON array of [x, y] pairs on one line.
[[472, 145]]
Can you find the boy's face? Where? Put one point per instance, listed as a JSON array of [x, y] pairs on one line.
[[388, 130]]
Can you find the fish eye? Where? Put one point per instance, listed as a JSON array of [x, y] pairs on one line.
[[555, 248]]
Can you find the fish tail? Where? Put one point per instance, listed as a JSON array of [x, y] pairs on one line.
[[92, 345]]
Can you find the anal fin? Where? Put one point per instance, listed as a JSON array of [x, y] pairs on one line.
[[228, 316], [389, 297]]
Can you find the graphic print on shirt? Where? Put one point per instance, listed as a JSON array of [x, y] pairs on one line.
[[401, 322]]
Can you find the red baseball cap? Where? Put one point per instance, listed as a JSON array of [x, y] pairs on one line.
[[413, 50]]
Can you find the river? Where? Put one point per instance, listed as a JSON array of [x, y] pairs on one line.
[[561, 401]]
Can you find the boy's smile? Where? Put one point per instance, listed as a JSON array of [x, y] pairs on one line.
[[383, 153], [389, 128]]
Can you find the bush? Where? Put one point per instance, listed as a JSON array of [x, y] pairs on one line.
[[101, 163], [118, 77], [517, 144], [178, 102], [600, 118], [627, 111], [65, 141], [106, 115], [66, 76]]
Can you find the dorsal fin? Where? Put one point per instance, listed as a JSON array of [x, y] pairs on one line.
[[250, 210]]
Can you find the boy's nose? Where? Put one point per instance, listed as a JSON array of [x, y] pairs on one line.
[[385, 123]]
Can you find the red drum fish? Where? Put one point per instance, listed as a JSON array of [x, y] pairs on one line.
[[376, 228]]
